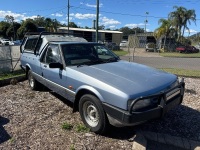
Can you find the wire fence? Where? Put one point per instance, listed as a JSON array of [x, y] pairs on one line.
[[9, 59]]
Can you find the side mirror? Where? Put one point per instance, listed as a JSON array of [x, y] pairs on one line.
[[56, 65]]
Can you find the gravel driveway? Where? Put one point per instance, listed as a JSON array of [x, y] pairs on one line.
[[34, 119]]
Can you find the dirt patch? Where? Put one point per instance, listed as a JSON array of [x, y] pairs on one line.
[[34, 119]]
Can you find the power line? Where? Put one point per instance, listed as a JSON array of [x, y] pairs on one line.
[[124, 14]]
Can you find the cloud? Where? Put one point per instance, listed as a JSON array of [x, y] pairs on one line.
[[57, 15], [17, 17], [94, 6], [106, 21], [112, 27], [133, 25], [191, 31], [83, 16]]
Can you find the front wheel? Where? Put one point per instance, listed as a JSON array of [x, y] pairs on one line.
[[92, 114], [32, 82]]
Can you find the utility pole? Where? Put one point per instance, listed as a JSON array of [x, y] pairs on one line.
[[145, 22], [97, 20], [68, 17]]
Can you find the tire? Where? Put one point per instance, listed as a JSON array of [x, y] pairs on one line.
[[92, 114], [32, 82]]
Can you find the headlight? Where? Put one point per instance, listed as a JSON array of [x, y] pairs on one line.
[[143, 104]]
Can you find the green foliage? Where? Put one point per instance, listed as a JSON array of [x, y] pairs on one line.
[[72, 147], [176, 24], [67, 126], [183, 72], [3, 28], [10, 75], [120, 52], [27, 26], [82, 128], [183, 55], [11, 140], [72, 25], [127, 31]]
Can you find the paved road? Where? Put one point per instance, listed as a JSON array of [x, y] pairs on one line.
[[166, 62]]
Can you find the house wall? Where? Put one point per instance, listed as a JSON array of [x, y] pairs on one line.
[[116, 38]]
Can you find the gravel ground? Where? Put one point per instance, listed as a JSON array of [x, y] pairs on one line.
[[34, 119]]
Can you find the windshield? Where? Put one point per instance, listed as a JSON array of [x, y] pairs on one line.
[[87, 54]]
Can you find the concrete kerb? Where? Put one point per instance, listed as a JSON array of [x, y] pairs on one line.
[[140, 141]]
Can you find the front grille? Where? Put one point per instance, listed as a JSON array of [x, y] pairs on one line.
[[173, 93]]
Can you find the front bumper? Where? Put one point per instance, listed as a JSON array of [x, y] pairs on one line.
[[130, 117]]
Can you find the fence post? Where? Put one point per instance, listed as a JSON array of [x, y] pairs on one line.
[[133, 54], [11, 58]]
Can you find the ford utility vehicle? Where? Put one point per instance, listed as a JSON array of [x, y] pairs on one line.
[[104, 89]]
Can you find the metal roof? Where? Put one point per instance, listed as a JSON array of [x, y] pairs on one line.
[[89, 30]]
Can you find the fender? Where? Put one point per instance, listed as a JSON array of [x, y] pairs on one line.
[[93, 90]]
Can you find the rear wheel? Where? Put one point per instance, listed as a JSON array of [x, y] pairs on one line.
[[32, 82], [92, 114]]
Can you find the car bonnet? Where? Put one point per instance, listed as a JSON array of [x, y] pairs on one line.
[[131, 78]]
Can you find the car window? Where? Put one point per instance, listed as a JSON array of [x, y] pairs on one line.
[[52, 54], [30, 44], [78, 54]]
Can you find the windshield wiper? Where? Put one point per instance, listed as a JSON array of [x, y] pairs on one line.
[[92, 62], [112, 59]]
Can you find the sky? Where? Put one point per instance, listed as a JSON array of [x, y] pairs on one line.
[[113, 14]]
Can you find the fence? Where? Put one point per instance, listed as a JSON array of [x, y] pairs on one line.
[[9, 58]]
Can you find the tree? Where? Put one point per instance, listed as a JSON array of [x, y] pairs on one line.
[[10, 20], [189, 15], [102, 27], [137, 30], [72, 25], [27, 26], [3, 28], [12, 30], [48, 24], [164, 29], [180, 19], [177, 17], [40, 21]]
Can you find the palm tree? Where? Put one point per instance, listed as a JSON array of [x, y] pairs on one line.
[[189, 15], [164, 29], [177, 19]]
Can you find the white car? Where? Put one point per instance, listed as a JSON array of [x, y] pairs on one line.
[[6, 42], [123, 44]]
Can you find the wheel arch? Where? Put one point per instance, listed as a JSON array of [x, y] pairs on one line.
[[85, 90], [28, 67]]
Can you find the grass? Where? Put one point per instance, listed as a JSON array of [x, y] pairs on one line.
[[12, 140], [78, 128], [82, 128], [10, 75], [67, 126], [120, 52], [183, 55], [183, 72]]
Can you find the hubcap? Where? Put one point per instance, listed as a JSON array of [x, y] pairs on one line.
[[31, 81], [91, 114]]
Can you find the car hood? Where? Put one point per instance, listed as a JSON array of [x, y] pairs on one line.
[[130, 78]]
